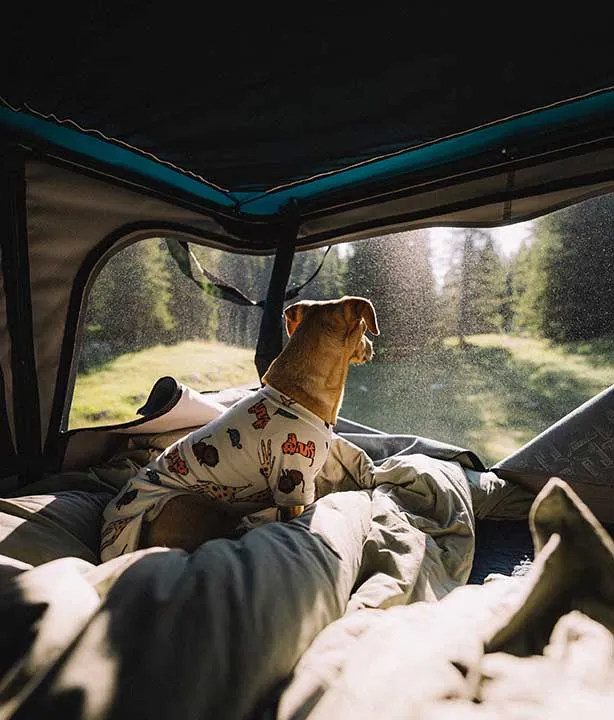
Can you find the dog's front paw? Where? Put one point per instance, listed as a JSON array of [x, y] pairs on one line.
[[286, 513]]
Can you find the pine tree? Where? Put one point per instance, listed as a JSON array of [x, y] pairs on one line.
[[530, 278], [394, 272], [460, 285], [562, 282], [522, 281], [129, 301], [578, 263], [239, 325], [468, 284], [506, 309], [362, 271], [329, 283], [474, 288], [490, 290]]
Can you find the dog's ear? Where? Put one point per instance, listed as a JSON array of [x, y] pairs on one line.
[[293, 315], [362, 308]]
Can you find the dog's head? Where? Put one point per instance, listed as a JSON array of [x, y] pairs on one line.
[[344, 321]]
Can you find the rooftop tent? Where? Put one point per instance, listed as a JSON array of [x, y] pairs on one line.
[[254, 133]]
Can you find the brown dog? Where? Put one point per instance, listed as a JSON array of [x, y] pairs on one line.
[[309, 378], [325, 338]]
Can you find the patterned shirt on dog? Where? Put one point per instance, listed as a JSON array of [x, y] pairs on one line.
[[264, 450]]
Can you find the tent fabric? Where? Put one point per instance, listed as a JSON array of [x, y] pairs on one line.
[[88, 640], [510, 139], [579, 449], [73, 222], [252, 100]]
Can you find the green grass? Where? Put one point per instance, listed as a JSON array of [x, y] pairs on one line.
[[491, 396], [113, 391]]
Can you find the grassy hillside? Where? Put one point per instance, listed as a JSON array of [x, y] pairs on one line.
[[491, 396], [115, 390]]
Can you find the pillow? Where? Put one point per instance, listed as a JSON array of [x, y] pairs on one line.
[[39, 528]]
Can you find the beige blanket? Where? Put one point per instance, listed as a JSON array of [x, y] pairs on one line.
[[164, 634]]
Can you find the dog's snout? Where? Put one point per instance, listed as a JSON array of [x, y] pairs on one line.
[[364, 352]]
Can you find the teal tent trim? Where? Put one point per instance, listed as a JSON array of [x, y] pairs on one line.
[[108, 153], [499, 138]]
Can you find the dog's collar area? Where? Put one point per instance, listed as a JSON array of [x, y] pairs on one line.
[[294, 406]]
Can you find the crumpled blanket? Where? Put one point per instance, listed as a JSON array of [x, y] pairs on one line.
[[538, 646], [164, 634], [422, 536]]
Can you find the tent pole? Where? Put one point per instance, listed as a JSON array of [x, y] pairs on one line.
[[270, 337], [16, 276]]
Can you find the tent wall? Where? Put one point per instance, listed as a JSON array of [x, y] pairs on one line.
[[72, 220], [579, 449], [7, 447], [508, 193]]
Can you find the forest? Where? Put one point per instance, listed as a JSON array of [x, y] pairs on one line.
[[557, 286]]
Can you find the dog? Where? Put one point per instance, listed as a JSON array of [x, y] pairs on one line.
[[264, 451]]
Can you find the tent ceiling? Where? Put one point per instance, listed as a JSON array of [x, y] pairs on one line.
[[249, 101]]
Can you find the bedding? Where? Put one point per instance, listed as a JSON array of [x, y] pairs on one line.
[[36, 529], [215, 633], [262, 626], [356, 609], [538, 645]]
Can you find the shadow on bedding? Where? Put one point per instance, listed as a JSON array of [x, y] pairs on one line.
[[40, 528], [214, 633]]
